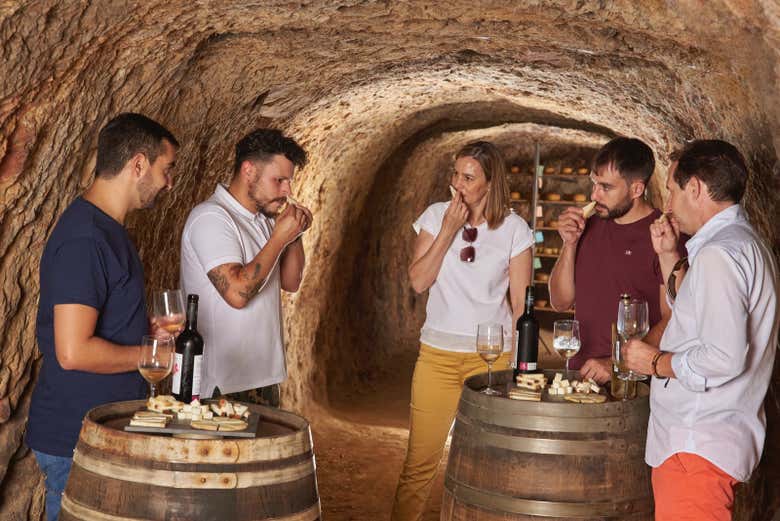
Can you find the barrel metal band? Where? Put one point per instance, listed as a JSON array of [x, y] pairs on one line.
[[499, 503], [546, 445], [610, 424], [197, 480], [87, 514]]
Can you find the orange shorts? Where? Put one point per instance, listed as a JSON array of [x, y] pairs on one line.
[[687, 487]]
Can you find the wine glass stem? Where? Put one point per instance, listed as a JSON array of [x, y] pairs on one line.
[[490, 375], [567, 367], [152, 390]]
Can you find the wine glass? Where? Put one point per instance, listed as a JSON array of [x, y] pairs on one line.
[[633, 322], [155, 361], [566, 339], [168, 310], [490, 345]]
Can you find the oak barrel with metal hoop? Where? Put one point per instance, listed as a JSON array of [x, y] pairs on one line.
[[123, 476], [546, 460]]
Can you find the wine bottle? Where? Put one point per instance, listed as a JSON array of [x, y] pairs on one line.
[[189, 354], [527, 336]]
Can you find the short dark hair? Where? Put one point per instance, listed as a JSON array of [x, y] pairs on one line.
[[264, 143], [630, 157], [126, 135], [717, 164]]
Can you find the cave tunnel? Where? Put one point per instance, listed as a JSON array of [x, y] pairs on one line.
[[380, 94]]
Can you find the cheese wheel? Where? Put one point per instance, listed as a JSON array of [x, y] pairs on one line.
[[582, 171], [549, 170], [553, 197], [543, 277], [515, 196], [580, 198], [541, 303], [515, 169], [567, 170]]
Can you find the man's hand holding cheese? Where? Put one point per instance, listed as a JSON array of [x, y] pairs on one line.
[[609, 253]]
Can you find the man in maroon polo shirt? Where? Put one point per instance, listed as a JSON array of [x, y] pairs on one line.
[[610, 254]]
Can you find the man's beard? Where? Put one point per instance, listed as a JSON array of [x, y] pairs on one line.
[[146, 194], [263, 207], [619, 210]]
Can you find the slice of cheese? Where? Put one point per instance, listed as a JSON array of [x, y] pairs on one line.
[[589, 209], [206, 425], [147, 423], [453, 191], [586, 398], [235, 425]]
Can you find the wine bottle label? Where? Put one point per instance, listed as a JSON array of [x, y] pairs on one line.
[[196, 377], [526, 366], [176, 384]]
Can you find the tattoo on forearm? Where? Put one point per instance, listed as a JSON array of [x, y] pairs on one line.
[[252, 290], [246, 275], [219, 280]]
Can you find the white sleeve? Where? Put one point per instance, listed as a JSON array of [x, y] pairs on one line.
[[719, 352], [522, 238], [430, 220], [215, 240]]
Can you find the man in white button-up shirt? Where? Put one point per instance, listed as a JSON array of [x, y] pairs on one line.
[[707, 422], [238, 250]]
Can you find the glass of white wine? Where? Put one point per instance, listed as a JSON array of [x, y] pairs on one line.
[[566, 339], [633, 322], [490, 345], [168, 310], [155, 361]]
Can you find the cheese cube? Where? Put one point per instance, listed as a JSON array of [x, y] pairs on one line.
[[565, 383], [208, 415]]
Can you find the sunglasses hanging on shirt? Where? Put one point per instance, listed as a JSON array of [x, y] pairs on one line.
[[468, 253]]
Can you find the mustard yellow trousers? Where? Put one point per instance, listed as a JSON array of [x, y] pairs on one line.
[[436, 385]]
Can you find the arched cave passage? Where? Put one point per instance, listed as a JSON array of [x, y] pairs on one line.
[[381, 95]]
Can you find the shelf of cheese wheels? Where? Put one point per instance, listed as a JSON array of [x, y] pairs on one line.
[[560, 185]]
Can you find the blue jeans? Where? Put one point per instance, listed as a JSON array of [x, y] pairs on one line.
[[56, 470]]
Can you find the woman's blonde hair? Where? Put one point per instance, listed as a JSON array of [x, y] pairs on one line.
[[493, 164]]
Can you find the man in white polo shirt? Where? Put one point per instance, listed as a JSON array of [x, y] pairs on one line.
[[238, 250]]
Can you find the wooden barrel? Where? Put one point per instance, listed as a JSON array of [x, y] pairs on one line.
[[546, 460], [118, 475]]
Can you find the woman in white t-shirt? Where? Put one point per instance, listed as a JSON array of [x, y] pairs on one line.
[[468, 252]]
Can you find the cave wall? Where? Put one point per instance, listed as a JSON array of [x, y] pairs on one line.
[[371, 89]]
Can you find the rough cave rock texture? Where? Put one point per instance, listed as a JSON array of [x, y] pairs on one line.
[[381, 94]]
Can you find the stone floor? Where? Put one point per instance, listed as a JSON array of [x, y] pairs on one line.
[[360, 443]]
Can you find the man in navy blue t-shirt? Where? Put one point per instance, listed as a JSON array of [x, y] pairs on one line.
[[92, 311]]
